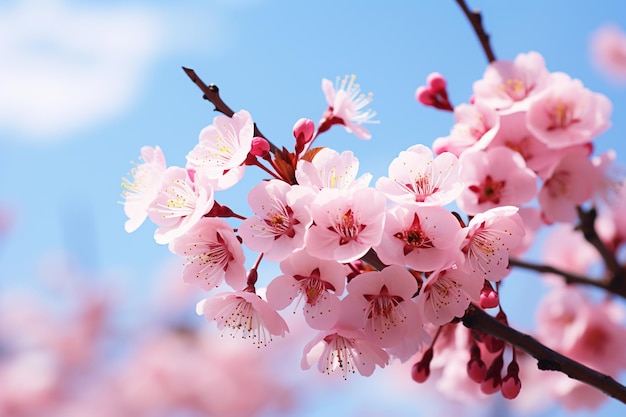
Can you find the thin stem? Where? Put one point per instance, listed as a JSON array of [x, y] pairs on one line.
[[476, 21], [212, 94], [569, 277], [264, 168], [587, 227], [547, 359]]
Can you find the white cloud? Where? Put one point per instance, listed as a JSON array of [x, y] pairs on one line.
[[64, 67]]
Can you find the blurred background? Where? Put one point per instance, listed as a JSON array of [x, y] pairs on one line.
[[95, 321]]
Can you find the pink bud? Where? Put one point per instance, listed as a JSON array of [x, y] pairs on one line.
[[425, 95], [491, 385], [421, 370], [488, 297], [510, 387], [303, 131], [511, 384], [436, 81], [260, 147], [477, 370], [492, 381]]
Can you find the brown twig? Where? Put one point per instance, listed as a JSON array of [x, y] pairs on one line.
[[476, 21], [547, 359], [212, 94], [587, 227], [569, 277]]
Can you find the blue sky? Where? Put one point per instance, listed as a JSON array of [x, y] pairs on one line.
[[85, 84]]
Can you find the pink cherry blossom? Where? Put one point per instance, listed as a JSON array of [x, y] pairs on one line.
[[509, 84], [343, 349], [143, 188], [380, 302], [330, 169], [608, 50], [245, 314], [435, 93], [566, 249], [212, 255], [610, 177], [511, 131], [346, 223], [423, 238], [532, 221], [472, 121], [495, 177], [488, 239], [414, 176], [447, 294], [182, 200], [571, 183], [346, 106], [566, 113], [223, 148], [592, 333], [316, 283], [281, 219], [613, 217]]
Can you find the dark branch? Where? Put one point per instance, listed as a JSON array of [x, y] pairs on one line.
[[587, 227], [476, 20], [569, 277], [211, 93], [547, 359]]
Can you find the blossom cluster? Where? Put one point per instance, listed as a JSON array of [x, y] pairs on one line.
[[379, 268]]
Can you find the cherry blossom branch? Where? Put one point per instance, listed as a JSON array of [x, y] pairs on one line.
[[617, 278], [547, 359], [569, 277], [476, 21], [212, 94]]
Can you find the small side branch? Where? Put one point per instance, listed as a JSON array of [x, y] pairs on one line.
[[587, 227], [476, 21], [547, 359], [211, 93], [569, 277]]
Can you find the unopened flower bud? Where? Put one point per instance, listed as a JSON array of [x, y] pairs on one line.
[[511, 384], [436, 81], [421, 370], [425, 95], [493, 378], [303, 131], [510, 387], [491, 385], [488, 297], [476, 370], [260, 147]]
